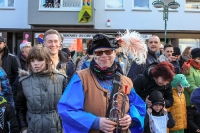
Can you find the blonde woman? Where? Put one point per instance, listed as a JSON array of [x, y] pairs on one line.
[[186, 55]]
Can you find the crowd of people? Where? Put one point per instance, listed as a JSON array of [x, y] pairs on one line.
[[120, 85]]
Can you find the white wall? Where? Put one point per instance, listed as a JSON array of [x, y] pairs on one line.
[[15, 18], [145, 20]]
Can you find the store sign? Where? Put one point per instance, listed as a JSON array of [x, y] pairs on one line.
[[69, 40], [82, 35], [73, 35], [146, 36]]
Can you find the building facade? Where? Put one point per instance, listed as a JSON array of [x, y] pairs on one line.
[[107, 16]]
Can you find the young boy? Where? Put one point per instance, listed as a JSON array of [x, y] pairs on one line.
[[8, 120], [178, 109], [5, 87], [158, 119]]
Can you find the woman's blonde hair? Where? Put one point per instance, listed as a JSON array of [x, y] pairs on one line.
[[186, 52], [42, 54]]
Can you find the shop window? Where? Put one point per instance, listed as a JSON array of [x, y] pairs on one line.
[[6, 3], [62, 4], [141, 4], [192, 4], [114, 4], [183, 43]]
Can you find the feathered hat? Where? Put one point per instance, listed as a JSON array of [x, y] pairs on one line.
[[25, 42], [134, 43], [103, 41]]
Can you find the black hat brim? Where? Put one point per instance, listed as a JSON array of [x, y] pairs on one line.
[[158, 103]]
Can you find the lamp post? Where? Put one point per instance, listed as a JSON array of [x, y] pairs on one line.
[[160, 4]]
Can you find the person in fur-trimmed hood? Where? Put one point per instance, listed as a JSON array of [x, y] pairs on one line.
[[178, 84], [8, 120], [39, 93]]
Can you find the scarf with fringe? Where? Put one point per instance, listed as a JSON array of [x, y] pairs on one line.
[[105, 73]]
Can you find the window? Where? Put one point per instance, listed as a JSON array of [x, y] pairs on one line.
[[193, 4], [63, 5], [141, 4], [6, 3], [114, 4]]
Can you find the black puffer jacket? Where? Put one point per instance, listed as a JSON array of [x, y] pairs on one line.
[[193, 119], [10, 64], [139, 69], [144, 84], [36, 102], [8, 120]]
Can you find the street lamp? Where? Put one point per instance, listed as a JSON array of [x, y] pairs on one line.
[[160, 4]]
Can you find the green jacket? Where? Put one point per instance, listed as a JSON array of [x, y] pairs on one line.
[[194, 80]]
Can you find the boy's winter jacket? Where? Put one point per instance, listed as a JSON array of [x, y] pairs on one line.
[[8, 120]]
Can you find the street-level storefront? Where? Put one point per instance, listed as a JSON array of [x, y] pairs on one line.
[[76, 38]]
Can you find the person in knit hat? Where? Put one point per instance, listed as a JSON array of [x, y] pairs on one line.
[[158, 119], [191, 69], [25, 47], [178, 84]]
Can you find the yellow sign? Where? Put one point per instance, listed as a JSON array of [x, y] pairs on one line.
[[86, 12]]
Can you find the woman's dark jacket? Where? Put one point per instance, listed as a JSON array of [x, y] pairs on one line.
[[193, 119], [144, 84]]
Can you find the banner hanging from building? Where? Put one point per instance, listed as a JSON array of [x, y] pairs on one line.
[[86, 12]]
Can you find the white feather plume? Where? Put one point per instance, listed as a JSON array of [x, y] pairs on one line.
[[134, 43]]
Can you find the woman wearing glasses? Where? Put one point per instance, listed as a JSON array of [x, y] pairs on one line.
[[87, 103], [25, 47]]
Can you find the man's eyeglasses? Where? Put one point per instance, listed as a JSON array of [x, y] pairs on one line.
[[107, 52]]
